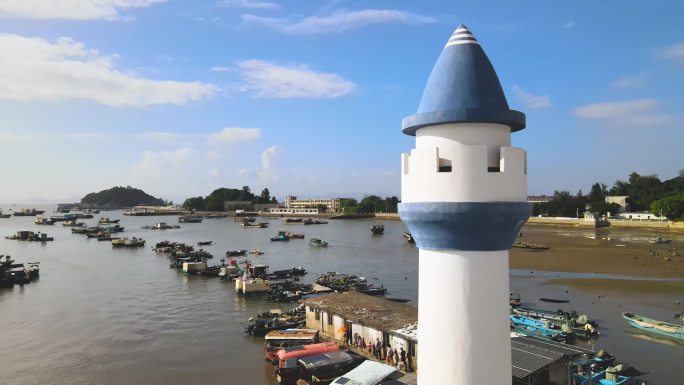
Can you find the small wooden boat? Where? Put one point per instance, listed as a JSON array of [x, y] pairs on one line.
[[161, 226], [530, 246], [514, 299], [235, 253], [377, 229], [659, 241], [315, 242], [204, 243], [310, 221], [256, 252], [4, 215], [73, 224], [295, 235], [655, 326], [248, 225], [552, 300], [107, 221]]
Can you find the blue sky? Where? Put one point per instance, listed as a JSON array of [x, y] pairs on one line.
[[180, 97]]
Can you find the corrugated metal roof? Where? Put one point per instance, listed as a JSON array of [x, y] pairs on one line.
[[530, 354]]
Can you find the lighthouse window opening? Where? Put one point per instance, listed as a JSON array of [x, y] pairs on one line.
[[494, 169], [444, 165]]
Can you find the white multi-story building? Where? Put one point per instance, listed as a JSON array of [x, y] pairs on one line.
[[332, 204]]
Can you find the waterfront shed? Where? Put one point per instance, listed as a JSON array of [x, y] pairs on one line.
[[370, 317], [537, 361]]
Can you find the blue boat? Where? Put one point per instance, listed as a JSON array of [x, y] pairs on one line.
[[530, 326], [282, 236], [655, 326], [612, 375]]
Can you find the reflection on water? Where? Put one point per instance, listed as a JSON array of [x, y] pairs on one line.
[[105, 316]]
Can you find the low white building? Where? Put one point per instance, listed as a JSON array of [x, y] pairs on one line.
[[292, 211], [645, 216]]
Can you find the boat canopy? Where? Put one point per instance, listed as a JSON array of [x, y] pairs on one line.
[[368, 373], [300, 351], [292, 334], [326, 359]]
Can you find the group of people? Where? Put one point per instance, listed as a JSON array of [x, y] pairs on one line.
[[391, 355]]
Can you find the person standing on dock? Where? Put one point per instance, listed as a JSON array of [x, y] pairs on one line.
[[402, 354], [378, 349]]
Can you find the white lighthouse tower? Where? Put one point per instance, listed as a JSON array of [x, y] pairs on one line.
[[464, 191]]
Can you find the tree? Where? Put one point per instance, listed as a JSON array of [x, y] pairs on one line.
[[265, 196], [671, 207], [598, 193], [348, 202], [371, 204], [195, 203], [391, 204], [619, 188], [245, 194], [642, 190]]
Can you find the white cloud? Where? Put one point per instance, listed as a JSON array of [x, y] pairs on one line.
[[69, 9], [213, 155], [569, 24], [338, 22], [267, 156], [235, 134], [158, 164], [268, 80], [219, 69], [675, 53], [631, 81], [255, 4], [531, 101], [35, 69], [245, 173], [214, 172], [630, 113]]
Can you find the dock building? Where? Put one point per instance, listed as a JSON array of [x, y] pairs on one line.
[[372, 318], [331, 204]]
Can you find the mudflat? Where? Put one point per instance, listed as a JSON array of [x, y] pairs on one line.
[[624, 252]]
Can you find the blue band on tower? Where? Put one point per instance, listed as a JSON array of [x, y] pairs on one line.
[[468, 226]]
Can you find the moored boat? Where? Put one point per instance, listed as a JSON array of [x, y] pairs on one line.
[[205, 243], [530, 246], [44, 221], [659, 240], [377, 229], [409, 238], [310, 221], [161, 226], [190, 219], [315, 242], [256, 252], [544, 329], [107, 221], [248, 225], [282, 236], [295, 235], [654, 326], [30, 236], [128, 242], [28, 212], [235, 253]]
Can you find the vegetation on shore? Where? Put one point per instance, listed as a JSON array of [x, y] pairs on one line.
[[121, 197], [215, 200], [369, 204], [645, 193]]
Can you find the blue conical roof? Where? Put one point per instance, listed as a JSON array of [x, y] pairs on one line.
[[463, 88]]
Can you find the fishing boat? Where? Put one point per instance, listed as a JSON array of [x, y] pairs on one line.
[[554, 300], [244, 219], [28, 212], [190, 219], [324, 368], [514, 299], [73, 223], [4, 215], [287, 371], [543, 329], [280, 237], [655, 326], [30, 236], [278, 340], [659, 241], [107, 221], [290, 221], [295, 235], [409, 238], [44, 221], [580, 324], [315, 242], [255, 252], [530, 246], [205, 243], [248, 225], [161, 226], [235, 253], [126, 242], [377, 229], [310, 221], [115, 228]]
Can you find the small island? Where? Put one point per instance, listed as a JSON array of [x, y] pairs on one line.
[[120, 197]]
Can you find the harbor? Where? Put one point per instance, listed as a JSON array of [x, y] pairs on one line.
[[141, 322]]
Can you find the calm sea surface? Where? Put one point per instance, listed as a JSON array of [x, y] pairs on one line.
[[107, 316]]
